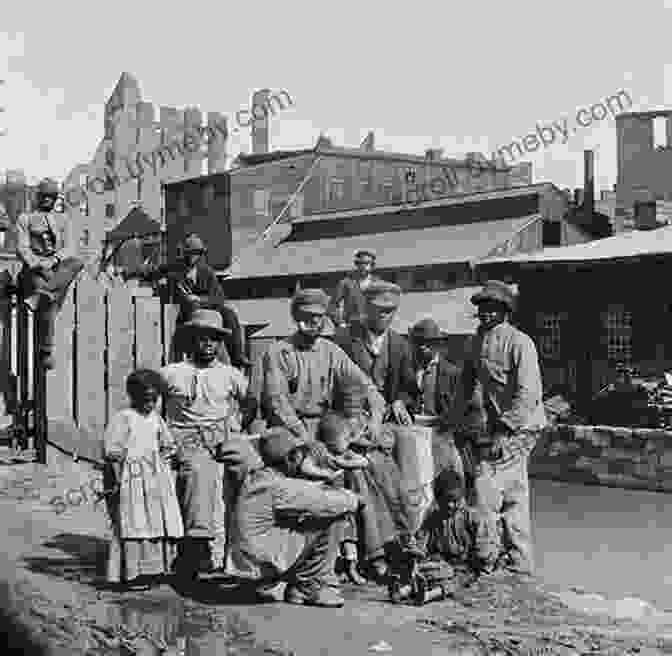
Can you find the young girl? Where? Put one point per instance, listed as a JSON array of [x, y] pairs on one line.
[[145, 512]]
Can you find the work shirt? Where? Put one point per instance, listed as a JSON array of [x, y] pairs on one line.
[[203, 397], [300, 382], [348, 301], [427, 380], [376, 358], [42, 238]]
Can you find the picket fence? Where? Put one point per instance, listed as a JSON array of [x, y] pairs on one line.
[[102, 333]]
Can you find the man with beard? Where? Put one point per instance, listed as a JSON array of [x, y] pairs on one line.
[[348, 303], [200, 411], [502, 376], [49, 265], [305, 373], [196, 286]]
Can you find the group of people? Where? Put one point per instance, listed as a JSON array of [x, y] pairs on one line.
[[320, 492], [322, 489]]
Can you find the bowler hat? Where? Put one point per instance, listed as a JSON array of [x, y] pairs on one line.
[[495, 291], [207, 321], [383, 294], [425, 330], [48, 187], [314, 301], [193, 244], [277, 444]]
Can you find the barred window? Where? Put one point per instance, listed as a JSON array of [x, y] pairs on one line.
[[550, 334], [618, 327]]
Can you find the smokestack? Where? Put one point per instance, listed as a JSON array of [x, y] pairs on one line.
[[259, 111], [589, 182]]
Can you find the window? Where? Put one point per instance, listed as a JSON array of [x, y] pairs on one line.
[[109, 210], [336, 190], [660, 132], [365, 177], [551, 233], [262, 199], [550, 324], [387, 189], [618, 327]]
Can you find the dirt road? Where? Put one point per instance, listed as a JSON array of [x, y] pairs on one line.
[[56, 560]]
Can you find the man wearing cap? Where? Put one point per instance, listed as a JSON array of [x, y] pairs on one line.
[[49, 264], [196, 286], [201, 413], [348, 303], [438, 381], [305, 374], [283, 530], [502, 371]]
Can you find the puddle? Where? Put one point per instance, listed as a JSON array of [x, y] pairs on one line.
[[173, 627]]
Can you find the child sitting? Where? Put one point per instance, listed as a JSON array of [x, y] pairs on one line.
[[456, 532], [145, 512]]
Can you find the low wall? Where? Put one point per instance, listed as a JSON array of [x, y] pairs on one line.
[[636, 458]]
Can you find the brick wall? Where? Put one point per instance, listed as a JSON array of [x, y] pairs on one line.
[[639, 458]]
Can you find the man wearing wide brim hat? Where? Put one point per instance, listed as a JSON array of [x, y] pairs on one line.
[[195, 286], [50, 264], [348, 303], [502, 371], [304, 373], [206, 401]]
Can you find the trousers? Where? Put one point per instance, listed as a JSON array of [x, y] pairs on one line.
[[54, 285]]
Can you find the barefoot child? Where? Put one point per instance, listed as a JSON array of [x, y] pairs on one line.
[[145, 512]]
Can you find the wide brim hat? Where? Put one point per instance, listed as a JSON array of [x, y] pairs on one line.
[[383, 294], [207, 321], [313, 301], [425, 330], [495, 291]]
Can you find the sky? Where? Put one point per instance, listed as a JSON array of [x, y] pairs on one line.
[[467, 77]]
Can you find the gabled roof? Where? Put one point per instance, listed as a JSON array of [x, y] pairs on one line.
[[403, 248], [626, 245], [137, 223]]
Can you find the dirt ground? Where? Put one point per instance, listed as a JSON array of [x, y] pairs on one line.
[[54, 563]]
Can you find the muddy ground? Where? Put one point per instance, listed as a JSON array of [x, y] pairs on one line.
[[54, 563]]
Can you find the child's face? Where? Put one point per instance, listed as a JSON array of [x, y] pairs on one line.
[[146, 401], [295, 459], [450, 503]]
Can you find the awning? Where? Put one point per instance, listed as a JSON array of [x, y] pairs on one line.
[[452, 310], [404, 248]]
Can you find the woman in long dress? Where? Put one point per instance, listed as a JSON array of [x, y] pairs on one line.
[[145, 512]]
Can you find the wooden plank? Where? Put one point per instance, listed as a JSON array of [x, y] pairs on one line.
[[59, 401], [120, 344], [148, 349], [90, 390], [169, 322]]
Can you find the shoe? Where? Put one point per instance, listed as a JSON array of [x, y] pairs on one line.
[[32, 302], [264, 594], [354, 577], [380, 571], [313, 595]]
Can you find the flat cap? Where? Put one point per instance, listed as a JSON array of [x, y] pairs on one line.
[[497, 291], [193, 244], [363, 253], [315, 301], [426, 329], [48, 187], [383, 294]]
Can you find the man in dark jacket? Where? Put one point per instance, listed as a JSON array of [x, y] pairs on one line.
[[196, 286]]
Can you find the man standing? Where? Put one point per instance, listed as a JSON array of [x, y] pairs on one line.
[[196, 286], [304, 374], [49, 265], [348, 303], [502, 375], [200, 411], [438, 382]]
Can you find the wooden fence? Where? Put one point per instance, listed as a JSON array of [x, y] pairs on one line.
[[102, 334]]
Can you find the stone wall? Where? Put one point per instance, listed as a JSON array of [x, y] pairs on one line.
[[635, 458]]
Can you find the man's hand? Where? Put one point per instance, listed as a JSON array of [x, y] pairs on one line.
[[401, 413]]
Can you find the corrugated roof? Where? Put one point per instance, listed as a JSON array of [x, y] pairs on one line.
[[452, 310], [624, 245], [406, 248]]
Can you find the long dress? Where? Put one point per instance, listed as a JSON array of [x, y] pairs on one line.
[[145, 514]]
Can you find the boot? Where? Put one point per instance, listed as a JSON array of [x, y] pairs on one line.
[[313, 594], [349, 554]]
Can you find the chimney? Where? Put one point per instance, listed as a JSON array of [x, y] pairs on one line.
[[259, 111], [588, 182], [645, 215]]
